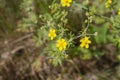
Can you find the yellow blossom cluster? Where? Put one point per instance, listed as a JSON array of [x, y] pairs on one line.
[[66, 3], [85, 42], [108, 3], [61, 43]]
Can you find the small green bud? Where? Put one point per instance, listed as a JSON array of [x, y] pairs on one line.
[[96, 33]]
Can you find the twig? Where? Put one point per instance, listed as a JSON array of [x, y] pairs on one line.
[[8, 53], [16, 41], [113, 12], [22, 38], [82, 33]]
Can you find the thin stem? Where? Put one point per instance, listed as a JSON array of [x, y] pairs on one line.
[[86, 29], [83, 32], [89, 34], [104, 17], [113, 12]]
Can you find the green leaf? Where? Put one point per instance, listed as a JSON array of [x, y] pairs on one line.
[[102, 34], [80, 5]]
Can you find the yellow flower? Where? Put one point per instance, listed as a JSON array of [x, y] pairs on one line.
[[119, 11], [66, 3], [108, 3], [85, 42], [61, 44], [52, 34]]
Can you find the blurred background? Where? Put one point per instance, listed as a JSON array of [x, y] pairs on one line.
[[21, 53]]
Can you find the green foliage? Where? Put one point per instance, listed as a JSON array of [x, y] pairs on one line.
[[85, 34], [82, 19], [9, 16], [102, 34], [30, 19]]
